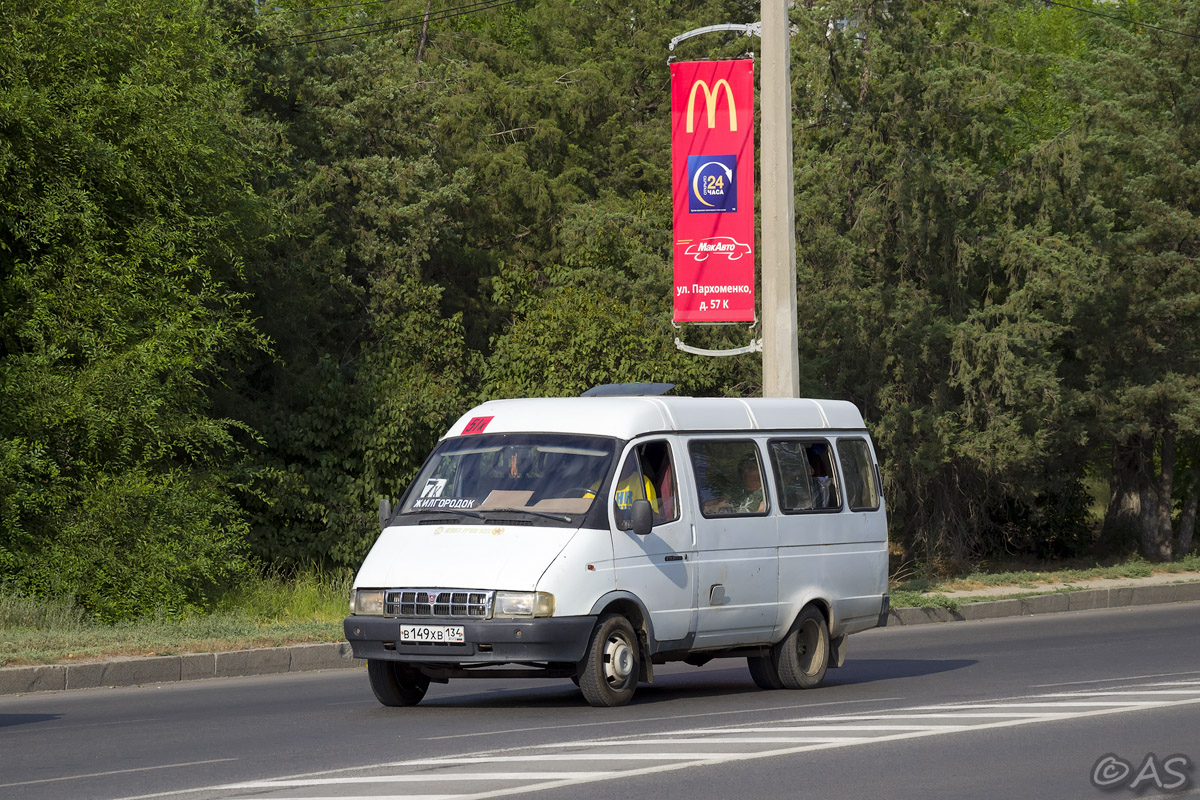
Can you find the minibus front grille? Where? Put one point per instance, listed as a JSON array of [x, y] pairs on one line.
[[451, 603]]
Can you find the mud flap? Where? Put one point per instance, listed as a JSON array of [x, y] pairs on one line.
[[837, 651]]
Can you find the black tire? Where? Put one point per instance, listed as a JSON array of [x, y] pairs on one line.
[[803, 655], [609, 675], [764, 671], [396, 684]]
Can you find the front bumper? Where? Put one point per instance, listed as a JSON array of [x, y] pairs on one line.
[[490, 641]]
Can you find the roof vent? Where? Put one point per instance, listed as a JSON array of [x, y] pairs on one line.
[[628, 390]]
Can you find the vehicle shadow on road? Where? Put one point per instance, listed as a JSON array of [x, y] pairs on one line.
[[674, 686], [870, 670], [9, 720]]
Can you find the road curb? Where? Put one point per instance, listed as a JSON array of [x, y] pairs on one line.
[[338, 655], [1082, 600], [172, 669]]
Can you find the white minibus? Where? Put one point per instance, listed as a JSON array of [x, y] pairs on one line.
[[593, 538]]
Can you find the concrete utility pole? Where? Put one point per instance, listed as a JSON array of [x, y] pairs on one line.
[[781, 354]]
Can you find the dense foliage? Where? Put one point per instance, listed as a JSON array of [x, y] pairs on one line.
[[255, 257], [125, 214]]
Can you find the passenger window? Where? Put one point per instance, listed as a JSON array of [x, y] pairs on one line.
[[729, 478], [862, 487], [647, 474], [806, 477]]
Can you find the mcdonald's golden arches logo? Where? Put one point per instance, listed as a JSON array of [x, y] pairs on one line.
[[710, 103]]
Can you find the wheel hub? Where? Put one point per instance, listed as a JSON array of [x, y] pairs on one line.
[[620, 659]]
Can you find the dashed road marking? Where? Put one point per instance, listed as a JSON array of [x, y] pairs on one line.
[[702, 746]]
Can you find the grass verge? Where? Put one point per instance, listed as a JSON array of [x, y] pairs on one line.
[[276, 611], [270, 612], [1005, 575]]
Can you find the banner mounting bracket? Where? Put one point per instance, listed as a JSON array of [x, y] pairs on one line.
[[746, 29], [755, 346]]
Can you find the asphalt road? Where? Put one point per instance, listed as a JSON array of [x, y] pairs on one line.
[[1012, 708]]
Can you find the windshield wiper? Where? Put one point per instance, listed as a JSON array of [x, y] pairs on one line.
[[546, 514], [455, 511], [482, 514]]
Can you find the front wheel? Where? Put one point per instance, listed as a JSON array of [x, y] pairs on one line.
[[764, 672], [610, 670], [396, 684], [803, 655]]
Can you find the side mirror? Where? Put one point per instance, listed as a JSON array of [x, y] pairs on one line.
[[385, 511], [642, 517]]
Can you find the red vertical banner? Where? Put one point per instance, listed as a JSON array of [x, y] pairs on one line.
[[712, 167]]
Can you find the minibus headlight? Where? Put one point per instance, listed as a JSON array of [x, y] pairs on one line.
[[524, 604], [368, 603]]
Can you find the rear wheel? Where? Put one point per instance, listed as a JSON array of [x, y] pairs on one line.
[[764, 672], [610, 671], [803, 655], [396, 684]]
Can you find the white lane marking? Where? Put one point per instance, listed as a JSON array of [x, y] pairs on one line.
[[1062, 711], [1172, 796], [712, 740], [883, 727], [1059, 704], [803, 728], [567, 757], [627, 722], [896, 715], [728, 758], [56, 727], [1053, 711], [1115, 680], [1175, 683], [1125, 692], [116, 772], [418, 778], [370, 797]]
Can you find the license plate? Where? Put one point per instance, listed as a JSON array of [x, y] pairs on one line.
[[432, 634]]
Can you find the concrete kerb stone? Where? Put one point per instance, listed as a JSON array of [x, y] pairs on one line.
[[1044, 604], [1087, 600], [260, 661], [172, 669], [1082, 600], [123, 672], [195, 666], [920, 616], [19, 680], [338, 655], [321, 656], [992, 610]]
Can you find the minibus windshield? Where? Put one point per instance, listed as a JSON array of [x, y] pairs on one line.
[[548, 476]]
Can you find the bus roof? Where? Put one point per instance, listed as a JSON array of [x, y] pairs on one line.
[[627, 417]]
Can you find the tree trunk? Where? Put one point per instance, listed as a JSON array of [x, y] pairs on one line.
[[424, 31], [1159, 535], [1122, 519], [1187, 525], [1134, 500]]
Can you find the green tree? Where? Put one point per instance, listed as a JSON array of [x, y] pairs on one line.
[[370, 362], [1138, 159], [125, 207], [935, 288], [448, 193]]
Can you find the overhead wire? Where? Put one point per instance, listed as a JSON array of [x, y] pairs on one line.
[[383, 26], [396, 23], [1121, 19], [326, 8]]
